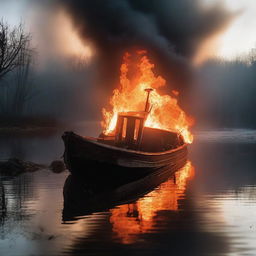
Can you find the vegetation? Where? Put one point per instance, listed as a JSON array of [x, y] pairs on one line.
[[16, 59], [13, 48]]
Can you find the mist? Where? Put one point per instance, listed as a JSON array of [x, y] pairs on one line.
[[226, 93]]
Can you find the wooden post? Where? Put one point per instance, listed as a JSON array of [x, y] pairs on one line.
[[148, 90]]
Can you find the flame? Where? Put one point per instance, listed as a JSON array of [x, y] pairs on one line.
[[137, 75], [130, 220]]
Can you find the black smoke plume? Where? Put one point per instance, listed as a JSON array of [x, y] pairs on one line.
[[172, 31]]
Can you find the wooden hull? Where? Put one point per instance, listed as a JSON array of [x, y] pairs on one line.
[[86, 156]]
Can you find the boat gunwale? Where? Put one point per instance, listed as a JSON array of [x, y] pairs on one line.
[[93, 140]]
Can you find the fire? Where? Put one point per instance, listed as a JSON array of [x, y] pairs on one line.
[[137, 75]]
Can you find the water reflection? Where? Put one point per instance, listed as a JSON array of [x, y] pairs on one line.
[[132, 219], [29, 213], [83, 196], [2, 204]]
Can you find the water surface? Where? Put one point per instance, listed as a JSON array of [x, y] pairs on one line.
[[207, 208]]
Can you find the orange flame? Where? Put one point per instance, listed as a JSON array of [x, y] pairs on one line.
[[130, 220], [136, 76]]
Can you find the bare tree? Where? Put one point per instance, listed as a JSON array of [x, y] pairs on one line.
[[12, 43], [22, 92], [16, 59]]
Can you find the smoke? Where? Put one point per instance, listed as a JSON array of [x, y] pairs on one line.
[[172, 31]]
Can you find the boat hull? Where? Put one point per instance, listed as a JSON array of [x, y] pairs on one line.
[[86, 156]]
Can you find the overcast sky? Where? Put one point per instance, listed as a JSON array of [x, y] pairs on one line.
[[240, 37]]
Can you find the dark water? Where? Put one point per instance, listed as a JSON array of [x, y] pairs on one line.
[[207, 208]]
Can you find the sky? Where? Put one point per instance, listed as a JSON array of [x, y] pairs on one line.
[[12, 11], [239, 37], [38, 19]]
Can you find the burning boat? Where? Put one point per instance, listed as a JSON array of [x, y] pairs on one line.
[[140, 141]]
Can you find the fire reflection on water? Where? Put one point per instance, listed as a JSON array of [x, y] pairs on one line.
[[130, 220]]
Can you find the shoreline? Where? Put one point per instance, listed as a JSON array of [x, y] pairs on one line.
[[32, 130]]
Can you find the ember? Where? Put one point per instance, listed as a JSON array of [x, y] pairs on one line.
[[136, 76]]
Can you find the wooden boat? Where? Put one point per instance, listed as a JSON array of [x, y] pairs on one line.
[[133, 146]]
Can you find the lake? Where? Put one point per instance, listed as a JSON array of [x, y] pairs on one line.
[[206, 208]]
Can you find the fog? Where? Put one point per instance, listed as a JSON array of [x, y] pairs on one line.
[[225, 93]]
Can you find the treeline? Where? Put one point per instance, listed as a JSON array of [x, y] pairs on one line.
[[226, 91]]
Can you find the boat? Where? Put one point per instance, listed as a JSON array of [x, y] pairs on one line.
[[137, 149]]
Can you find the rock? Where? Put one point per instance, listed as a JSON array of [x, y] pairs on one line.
[[57, 166], [14, 167]]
